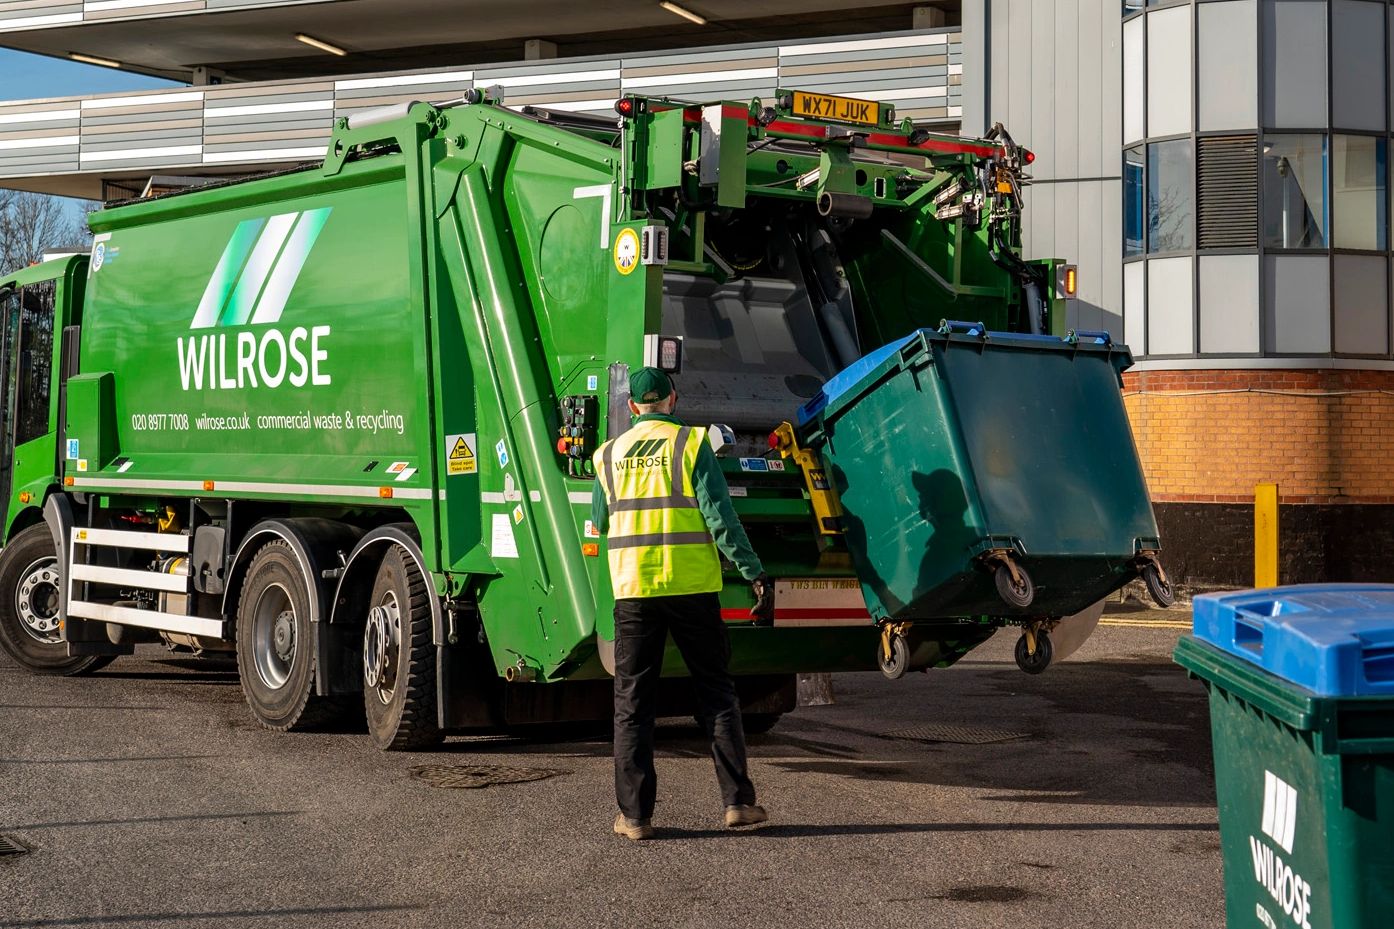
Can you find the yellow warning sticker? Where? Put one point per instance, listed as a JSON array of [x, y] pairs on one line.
[[518, 513], [459, 454], [626, 251]]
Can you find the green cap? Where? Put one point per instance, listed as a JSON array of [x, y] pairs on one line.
[[649, 385]]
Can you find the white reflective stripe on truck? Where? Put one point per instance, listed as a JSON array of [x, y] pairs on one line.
[[255, 487]]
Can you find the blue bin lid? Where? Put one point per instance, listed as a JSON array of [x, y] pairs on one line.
[[849, 377], [1336, 640]]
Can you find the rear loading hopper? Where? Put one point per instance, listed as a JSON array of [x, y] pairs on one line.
[[986, 474]]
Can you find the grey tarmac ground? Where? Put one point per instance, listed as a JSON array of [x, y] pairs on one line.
[[150, 798]]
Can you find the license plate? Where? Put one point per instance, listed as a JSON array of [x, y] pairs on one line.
[[819, 601], [837, 109]]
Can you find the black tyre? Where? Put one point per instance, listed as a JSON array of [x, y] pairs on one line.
[[760, 723], [1018, 591], [30, 592], [399, 659], [1038, 662], [898, 663], [1158, 586], [276, 646]]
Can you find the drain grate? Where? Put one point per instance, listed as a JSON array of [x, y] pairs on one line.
[[474, 776], [961, 735], [9, 846]]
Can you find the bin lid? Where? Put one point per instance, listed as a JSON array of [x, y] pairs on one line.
[[1335, 640], [849, 377]]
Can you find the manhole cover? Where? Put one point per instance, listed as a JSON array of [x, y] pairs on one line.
[[962, 735], [479, 775], [9, 846]]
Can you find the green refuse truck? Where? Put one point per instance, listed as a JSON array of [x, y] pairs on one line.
[[339, 419]]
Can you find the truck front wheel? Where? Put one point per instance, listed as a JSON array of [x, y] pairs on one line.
[[30, 592], [399, 658], [275, 644]]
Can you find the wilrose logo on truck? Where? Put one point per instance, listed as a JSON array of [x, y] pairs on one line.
[[249, 287]]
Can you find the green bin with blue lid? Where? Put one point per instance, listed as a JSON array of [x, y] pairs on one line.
[[986, 474], [1301, 689]]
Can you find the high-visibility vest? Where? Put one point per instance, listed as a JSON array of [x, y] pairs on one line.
[[658, 543]]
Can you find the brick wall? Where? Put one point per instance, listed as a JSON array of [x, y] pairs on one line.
[[1324, 437]]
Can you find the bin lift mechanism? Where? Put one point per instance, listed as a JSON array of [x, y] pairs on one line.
[[969, 179]]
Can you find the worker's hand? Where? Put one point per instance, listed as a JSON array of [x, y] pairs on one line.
[[763, 611]]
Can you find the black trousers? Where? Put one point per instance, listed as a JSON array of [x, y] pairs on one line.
[[641, 631]]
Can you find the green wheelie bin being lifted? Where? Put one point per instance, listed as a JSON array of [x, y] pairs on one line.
[[1301, 684], [987, 474]]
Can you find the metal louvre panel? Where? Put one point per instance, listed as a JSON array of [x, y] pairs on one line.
[[1227, 192]]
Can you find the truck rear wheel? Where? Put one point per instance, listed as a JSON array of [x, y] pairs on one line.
[[30, 592], [399, 658], [275, 644]]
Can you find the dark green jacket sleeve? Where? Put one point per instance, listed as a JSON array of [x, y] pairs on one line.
[[714, 500], [600, 510]]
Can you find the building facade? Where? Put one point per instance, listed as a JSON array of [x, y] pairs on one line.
[[1217, 168], [1256, 289]]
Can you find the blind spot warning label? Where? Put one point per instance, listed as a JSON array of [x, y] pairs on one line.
[[460, 456]]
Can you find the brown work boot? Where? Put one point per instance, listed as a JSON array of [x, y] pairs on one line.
[[742, 814], [633, 829]]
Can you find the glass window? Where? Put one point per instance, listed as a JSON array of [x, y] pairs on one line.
[[1359, 206], [1134, 203], [34, 362], [1294, 191], [1171, 204]]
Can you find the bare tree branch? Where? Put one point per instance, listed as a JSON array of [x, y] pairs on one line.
[[31, 224]]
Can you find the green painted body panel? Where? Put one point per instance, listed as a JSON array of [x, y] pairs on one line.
[[1337, 755], [450, 275], [312, 399]]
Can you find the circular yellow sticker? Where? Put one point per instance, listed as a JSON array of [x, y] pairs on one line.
[[626, 251]]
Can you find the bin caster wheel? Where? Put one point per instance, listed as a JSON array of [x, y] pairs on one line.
[[1038, 662], [897, 663], [1158, 585], [1015, 590]]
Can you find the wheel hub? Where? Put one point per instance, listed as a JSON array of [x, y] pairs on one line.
[[283, 636], [382, 638], [274, 642], [37, 600]]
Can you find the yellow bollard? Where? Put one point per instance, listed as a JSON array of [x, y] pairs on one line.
[[1266, 535]]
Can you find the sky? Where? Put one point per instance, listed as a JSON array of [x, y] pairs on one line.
[[26, 77]]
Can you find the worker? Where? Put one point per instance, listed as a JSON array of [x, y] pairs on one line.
[[663, 502]]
